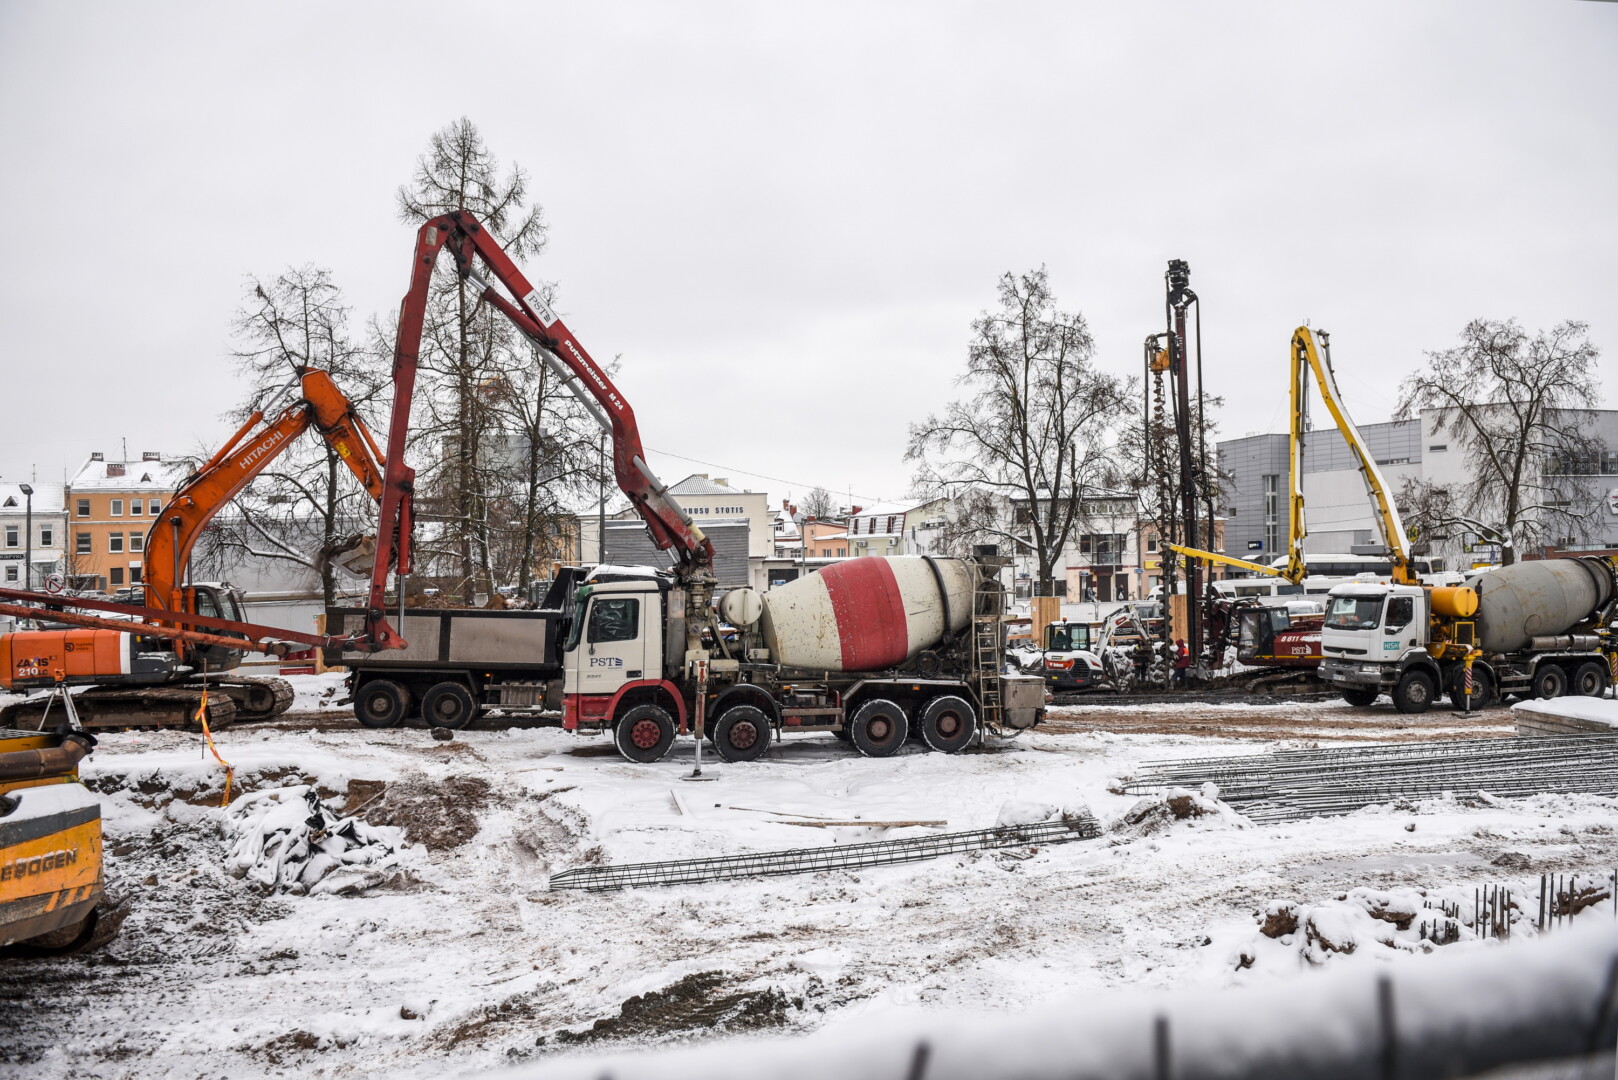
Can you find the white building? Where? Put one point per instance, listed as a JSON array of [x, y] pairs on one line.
[[34, 525]]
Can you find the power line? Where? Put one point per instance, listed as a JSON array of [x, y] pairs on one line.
[[763, 476]]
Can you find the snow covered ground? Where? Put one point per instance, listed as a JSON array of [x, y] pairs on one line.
[[459, 961]]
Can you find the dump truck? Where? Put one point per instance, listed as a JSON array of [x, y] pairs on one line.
[[874, 650], [1542, 628]]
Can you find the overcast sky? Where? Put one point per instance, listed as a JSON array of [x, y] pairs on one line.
[[785, 217]]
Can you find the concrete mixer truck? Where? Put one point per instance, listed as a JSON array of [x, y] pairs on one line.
[[875, 650], [1542, 628]]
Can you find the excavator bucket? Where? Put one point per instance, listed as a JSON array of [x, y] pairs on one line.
[[360, 559]]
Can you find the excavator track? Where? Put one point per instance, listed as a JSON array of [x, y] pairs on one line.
[[256, 699], [123, 710]]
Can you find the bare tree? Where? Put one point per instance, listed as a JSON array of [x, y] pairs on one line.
[[307, 506], [1518, 407], [1037, 421], [820, 505], [467, 346]]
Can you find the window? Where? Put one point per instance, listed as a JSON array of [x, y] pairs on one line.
[[153, 507], [1438, 448], [615, 619], [117, 508], [1151, 543], [1353, 612], [47, 536], [11, 536], [137, 541], [83, 508], [115, 542], [1401, 609], [1272, 511], [891, 520], [11, 572], [81, 544], [115, 576], [842, 553], [134, 507], [134, 575]]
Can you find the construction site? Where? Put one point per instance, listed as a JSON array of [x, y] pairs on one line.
[[1112, 749]]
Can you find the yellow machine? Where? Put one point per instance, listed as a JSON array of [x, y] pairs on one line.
[[1305, 359], [50, 842]]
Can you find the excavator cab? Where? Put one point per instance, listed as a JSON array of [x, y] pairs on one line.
[[217, 601]]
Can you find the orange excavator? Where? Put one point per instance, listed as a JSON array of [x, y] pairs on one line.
[[171, 656]]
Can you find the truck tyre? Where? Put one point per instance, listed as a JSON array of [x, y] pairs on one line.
[[879, 728], [948, 724], [1549, 681], [644, 733], [448, 705], [381, 703], [1414, 692], [742, 733], [1482, 690], [1360, 697], [1590, 679]]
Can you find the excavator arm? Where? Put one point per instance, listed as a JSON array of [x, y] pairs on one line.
[[247, 453], [475, 251]]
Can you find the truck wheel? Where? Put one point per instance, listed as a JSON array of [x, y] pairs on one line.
[[1549, 681], [1360, 698], [948, 724], [879, 728], [1482, 691], [1590, 680], [1414, 692], [741, 734], [381, 703], [644, 733], [448, 705]]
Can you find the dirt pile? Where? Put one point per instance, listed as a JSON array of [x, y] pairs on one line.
[[691, 1004], [1178, 808], [440, 815]]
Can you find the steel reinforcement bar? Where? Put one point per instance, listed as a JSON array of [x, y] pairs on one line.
[[1293, 784], [816, 859]]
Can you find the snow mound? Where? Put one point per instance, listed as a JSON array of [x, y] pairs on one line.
[[1179, 808], [1590, 710], [286, 841], [1372, 920]]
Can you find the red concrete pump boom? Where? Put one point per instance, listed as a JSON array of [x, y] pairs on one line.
[[467, 241]]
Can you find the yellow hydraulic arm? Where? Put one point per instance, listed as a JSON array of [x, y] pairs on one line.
[[1306, 358]]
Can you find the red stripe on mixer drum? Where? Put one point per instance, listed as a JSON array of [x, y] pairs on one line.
[[870, 613]]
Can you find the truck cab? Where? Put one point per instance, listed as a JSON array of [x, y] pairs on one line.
[[614, 658], [1374, 640]]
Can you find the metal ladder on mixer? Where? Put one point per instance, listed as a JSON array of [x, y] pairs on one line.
[[988, 654]]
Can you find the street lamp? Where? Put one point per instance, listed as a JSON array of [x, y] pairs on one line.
[[28, 538]]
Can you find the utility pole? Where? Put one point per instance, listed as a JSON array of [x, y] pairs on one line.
[[601, 510], [28, 538]]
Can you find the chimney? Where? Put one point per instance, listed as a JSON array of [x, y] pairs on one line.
[[151, 455], [115, 468], [95, 455], [722, 481]]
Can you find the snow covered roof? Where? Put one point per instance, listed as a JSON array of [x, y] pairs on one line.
[[698, 484], [48, 498], [891, 509], [97, 474]]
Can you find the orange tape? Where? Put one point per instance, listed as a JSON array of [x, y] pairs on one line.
[[207, 737]]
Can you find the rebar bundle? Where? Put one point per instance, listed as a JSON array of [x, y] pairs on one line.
[[1285, 785], [813, 860]]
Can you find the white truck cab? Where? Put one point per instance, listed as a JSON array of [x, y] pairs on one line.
[[1373, 637], [616, 640]]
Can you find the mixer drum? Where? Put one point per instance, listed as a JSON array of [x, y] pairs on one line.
[[868, 613]]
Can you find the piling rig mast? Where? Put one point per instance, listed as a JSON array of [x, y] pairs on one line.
[[1168, 353]]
